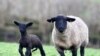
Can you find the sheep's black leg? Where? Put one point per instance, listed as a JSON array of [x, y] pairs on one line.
[[82, 51], [28, 52], [21, 51], [61, 51], [74, 51], [41, 51]]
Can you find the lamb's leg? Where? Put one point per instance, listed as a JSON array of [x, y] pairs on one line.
[[74, 51], [82, 51], [28, 52], [60, 51], [21, 50], [41, 50]]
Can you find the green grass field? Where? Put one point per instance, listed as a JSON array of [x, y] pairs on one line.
[[11, 49]]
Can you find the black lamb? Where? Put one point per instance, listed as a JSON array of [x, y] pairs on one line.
[[28, 41]]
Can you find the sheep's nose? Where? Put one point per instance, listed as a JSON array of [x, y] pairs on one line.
[[21, 30], [61, 30]]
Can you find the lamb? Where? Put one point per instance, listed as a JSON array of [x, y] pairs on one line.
[[28, 41], [69, 33]]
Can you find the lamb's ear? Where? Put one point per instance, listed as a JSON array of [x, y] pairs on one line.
[[16, 23], [29, 24], [51, 20], [70, 19]]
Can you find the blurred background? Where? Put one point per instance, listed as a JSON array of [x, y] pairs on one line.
[[38, 11]]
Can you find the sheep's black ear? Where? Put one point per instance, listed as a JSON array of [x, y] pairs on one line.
[[51, 20], [70, 19], [16, 23], [29, 24]]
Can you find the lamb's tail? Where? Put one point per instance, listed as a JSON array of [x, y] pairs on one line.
[[34, 49]]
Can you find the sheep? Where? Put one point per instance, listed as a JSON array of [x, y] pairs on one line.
[[28, 41], [69, 33]]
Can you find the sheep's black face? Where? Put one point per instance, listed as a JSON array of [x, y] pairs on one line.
[[61, 22], [22, 27]]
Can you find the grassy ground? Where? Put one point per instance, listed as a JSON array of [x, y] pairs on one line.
[[11, 49]]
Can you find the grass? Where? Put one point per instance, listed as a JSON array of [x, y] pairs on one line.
[[11, 49]]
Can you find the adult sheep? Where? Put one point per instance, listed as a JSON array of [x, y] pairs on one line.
[[69, 33]]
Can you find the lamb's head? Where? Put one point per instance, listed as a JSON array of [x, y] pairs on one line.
[[61, 22], [22, 26]]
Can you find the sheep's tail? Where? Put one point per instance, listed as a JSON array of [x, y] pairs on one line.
[[34, 49]]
